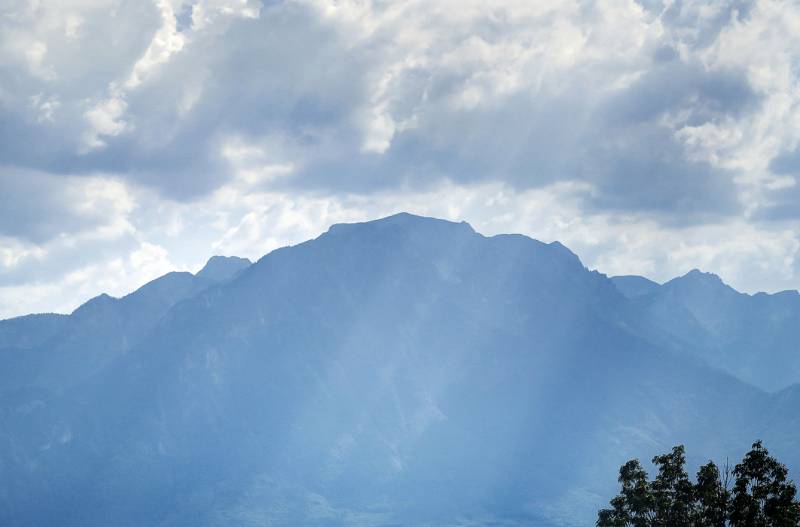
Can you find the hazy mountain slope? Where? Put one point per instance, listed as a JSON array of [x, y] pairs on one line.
[[94, 334], [633, 286], [30, 330], [18, 337], [754, 337], [406, 371]]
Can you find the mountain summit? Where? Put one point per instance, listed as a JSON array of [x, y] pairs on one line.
[[223, 268], [403, 371]]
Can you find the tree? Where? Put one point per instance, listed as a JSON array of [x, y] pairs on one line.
[[762, 494], [711, 497], [672, 491], [634, 505]]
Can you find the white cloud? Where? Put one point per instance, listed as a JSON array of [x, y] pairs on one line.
[[35, 55], [256, 164], [151, 260], [166, 41], [206, 12], [765, 45], [72, 26], [106, 119], [106, 200], [45, 107]]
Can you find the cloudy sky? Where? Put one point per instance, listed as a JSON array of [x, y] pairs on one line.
[[139, 137]]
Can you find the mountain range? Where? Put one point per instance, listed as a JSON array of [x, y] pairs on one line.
[[402, 371]]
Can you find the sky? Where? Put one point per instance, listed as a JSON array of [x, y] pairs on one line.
[[140, 137]]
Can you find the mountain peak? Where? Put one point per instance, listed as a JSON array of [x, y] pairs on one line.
[[404, 221], [696, 277], [697, 274], [222, 268], [697, 282]]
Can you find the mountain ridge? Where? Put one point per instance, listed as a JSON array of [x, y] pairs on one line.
[[731, 330], [401, 371]]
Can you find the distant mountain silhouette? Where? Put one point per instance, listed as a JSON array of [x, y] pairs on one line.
[[65, 350], [754, 337], [403, 371]]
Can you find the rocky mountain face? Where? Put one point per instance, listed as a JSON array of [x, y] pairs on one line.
[[405, 371]]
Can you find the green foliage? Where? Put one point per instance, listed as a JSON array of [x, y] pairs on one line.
[[711, 498], [762, 495], [673, 493]]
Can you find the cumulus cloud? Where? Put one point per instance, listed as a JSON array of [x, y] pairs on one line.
[[37, 207], [651, 132], [376, 95]]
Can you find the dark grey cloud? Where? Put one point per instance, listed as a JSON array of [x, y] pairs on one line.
[[672, 85], [107, 41], [284, 73], [618, 143], [784, 201], [307, 83], [37, 207]]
